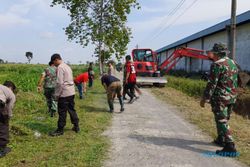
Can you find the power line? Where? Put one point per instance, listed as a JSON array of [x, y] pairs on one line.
[[178, 17], [171, 13], [167, 18]]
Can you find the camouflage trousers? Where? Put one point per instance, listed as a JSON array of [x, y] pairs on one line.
[[222, 115], [51, 102]]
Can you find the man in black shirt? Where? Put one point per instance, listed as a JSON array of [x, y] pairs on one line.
[[113, 87]]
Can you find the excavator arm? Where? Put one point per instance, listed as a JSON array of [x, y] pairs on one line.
[[174, 58]]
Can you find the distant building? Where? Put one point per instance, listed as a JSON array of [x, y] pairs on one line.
[[205, 39]]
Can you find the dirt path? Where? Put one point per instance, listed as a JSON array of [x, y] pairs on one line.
[[150, 133]]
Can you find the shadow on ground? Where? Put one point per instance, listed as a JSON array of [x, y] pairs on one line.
[[97, 92], [93, 109], [40, 127], [190, 145]]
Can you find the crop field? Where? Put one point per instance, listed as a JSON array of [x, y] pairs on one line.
[[30, 125]]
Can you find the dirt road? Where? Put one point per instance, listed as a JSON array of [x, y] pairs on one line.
[[151, 133]]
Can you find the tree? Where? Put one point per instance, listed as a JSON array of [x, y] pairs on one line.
[[1, 61], [101, 22], [29, 56]]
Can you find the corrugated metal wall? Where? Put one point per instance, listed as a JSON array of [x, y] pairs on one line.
[[206, 43]]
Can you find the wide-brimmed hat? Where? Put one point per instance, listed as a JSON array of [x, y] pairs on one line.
[[220, 49]]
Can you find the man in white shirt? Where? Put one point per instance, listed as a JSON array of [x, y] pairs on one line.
[[7, 101], [65, 94]]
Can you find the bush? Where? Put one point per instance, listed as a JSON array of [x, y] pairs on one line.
[[195, 88], [189, 86]]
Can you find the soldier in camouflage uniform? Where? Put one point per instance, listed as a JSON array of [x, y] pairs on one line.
[[49, 78], [221, 93]]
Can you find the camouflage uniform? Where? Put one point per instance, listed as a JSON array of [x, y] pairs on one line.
[[49, 88], [221, 91]]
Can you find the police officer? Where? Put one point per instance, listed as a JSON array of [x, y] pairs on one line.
[[7, 101], [221, 93], [65, 94]]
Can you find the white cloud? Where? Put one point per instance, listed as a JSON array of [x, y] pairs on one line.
[[47, 35], [11, 20], [23, 8], [15, 14]]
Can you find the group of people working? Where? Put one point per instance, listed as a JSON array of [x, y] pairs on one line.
[[113, 85], [59, 89], [58, 84]]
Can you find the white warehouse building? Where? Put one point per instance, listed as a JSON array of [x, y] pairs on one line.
[[205, 40]]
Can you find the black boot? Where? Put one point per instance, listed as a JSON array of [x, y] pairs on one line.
[[132, 99], [4, 151], [111, 107], [220, 141], [124, 98], [57, 132], [122, 104], [228, 151], [76, 128], [52, 113]]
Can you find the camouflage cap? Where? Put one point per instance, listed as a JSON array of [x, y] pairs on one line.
[[220, 49]]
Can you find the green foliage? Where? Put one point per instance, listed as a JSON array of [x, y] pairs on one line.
[[1, 61], [25, 77], [189, 86], [88, 148], [102, 22], [29, 56]]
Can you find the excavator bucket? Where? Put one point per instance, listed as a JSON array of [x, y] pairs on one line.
[[151, 81]]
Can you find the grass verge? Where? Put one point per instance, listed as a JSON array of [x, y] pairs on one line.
[[88, 148]]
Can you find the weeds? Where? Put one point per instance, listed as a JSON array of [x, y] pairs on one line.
[[30, 117]]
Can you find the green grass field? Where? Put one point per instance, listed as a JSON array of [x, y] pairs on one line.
[[88, 148]]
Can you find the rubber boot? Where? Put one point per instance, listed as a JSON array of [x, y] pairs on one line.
[[57, 132], [220, 141], [4, 151], [76, 128], [132, 99], [228, 151], [52, 113], [111, 107], [122, 104]]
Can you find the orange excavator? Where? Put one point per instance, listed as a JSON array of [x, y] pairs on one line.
[[149, 72]]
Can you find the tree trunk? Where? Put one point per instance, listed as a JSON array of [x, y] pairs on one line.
[[100, 60], [101, 40]]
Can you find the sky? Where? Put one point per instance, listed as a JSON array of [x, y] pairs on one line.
[[32, 25]]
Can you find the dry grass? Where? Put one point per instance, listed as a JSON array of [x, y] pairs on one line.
[[203, 118]]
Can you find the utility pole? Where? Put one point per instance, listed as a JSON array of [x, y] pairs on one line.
[[233, 30]]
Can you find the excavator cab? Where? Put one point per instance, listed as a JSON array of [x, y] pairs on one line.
[[145, 61]]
